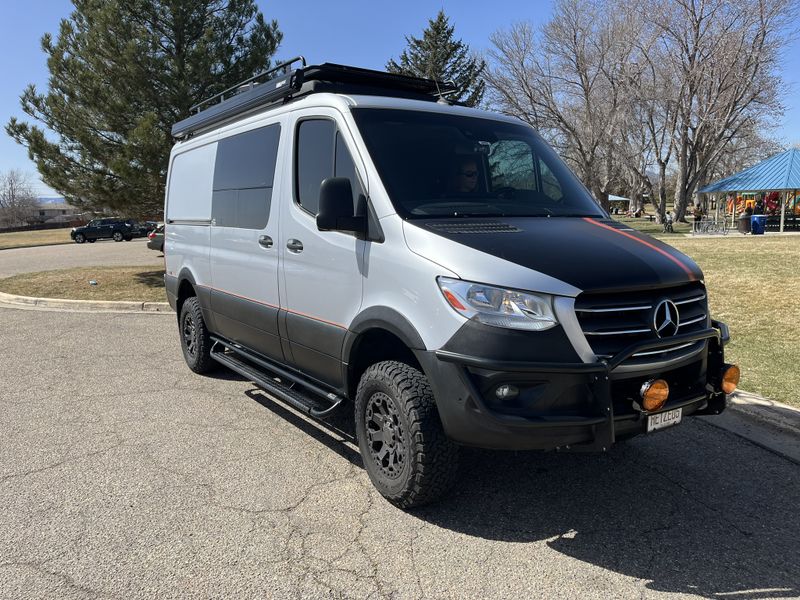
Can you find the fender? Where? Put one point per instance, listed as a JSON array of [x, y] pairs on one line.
[[381, 317], [203, 295]]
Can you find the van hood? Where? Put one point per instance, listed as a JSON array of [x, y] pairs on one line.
[[561, 255]]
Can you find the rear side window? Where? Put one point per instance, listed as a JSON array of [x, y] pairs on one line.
[[321, 153], [243, 176]]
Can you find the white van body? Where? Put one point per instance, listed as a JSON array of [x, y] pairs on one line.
[[595, 312]]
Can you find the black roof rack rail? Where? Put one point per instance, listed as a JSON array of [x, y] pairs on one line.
[[326, 77]]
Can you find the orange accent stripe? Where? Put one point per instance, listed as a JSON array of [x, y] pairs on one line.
[[294, 312], [645, 243]]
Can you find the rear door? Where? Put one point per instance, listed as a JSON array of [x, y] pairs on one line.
[[244, 239], [322, 270]]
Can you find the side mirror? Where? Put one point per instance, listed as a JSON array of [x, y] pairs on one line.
[[336, 207]]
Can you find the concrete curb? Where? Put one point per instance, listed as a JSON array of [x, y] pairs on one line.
[[83, 305], [37, 246], [766, 423], [768, 411]]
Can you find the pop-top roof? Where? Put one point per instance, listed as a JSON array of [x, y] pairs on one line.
[[777, 173]]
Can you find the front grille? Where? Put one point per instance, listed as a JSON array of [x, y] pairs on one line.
[[613, 321]]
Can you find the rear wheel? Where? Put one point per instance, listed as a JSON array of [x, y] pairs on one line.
[[195, 337], [404, 448], [80, 238], [118, 237]]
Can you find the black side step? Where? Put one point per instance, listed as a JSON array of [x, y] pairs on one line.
[[318, 402]]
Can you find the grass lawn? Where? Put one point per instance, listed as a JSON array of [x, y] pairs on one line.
[[754, 286], [653, 228], [45, 237], [140, 284]]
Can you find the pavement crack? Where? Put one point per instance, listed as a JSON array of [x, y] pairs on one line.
[[63, 577]]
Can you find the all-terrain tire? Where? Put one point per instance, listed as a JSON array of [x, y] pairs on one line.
[[403, 445], [195, 337], [79, 238]]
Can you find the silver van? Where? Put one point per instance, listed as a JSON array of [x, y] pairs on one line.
[[348, 238]]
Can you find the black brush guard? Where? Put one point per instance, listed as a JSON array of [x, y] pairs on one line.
[[599, 373]]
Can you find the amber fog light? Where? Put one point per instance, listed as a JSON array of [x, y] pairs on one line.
[[730, 378], [654, 394]]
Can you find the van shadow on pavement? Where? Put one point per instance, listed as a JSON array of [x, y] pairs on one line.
[[694, 510]]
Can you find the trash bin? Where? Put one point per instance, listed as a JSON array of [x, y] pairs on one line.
[[744, 224], [758, 224]]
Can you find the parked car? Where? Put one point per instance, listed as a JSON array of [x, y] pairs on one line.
[[113, 228], [348, 240], [155, 239]]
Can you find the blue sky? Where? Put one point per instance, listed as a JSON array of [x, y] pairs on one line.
[[360, 32]]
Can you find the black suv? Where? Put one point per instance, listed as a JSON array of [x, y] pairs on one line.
[[116, 229]]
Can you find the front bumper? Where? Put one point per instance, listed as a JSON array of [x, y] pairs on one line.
[[575, 401]]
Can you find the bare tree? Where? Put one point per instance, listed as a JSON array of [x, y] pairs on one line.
[[18, 202], [627, 87], [724, 55], [569, 81]]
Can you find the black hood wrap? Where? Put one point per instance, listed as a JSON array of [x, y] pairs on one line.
[[588, 253]]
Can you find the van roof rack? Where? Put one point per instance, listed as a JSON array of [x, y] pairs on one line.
[[262, 90]]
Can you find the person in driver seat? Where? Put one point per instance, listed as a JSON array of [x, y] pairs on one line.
[[465, 177]]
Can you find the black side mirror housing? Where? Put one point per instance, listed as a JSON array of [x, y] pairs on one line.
[[336, 207]]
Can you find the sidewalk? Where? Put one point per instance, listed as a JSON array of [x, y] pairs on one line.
[[766, 423]]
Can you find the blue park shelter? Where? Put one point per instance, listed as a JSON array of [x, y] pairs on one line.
[[779, 173]]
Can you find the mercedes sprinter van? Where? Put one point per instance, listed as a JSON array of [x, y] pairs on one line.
[[348, 239]]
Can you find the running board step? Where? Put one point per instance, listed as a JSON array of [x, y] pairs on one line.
[[279, 382]]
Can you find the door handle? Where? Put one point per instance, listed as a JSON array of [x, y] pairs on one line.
[[294, 245], [265, 241]]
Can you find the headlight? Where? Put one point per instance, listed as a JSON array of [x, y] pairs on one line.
[[499, 307]]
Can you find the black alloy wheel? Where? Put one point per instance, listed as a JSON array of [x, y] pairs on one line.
[[195, 337], [405, 451], [386, 435]]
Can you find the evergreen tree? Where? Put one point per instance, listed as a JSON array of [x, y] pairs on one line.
[[121, 73], [438, 55]]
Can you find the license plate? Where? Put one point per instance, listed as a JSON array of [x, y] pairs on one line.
[[664, 419]]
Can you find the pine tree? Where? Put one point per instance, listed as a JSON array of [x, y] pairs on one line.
[[438, 55], [121, 73]]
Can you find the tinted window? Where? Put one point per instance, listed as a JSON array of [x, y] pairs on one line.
[[243, 175], [445, 165], [314, 160], [345, 167]]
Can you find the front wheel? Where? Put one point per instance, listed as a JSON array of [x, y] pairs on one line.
[[195, 337], [79, 238], [118, 237], [403, 445]]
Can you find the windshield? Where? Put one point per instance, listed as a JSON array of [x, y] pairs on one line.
[[440, 165]]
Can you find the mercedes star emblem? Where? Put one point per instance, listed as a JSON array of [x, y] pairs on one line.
[[666, 319]]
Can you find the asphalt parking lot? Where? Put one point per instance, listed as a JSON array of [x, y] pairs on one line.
[[67, 256], [123, 475]]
